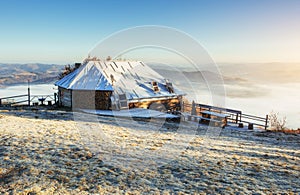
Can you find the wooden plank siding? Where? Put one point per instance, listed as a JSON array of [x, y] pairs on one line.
[[159, 105], [64, 97], [84, 99], [99, 100]]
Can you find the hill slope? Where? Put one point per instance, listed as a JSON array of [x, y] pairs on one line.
[[11, 74]]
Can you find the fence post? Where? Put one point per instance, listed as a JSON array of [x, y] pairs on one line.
[[55, 98], [0, 102], [193, 112], [28, 93], [266, 125]]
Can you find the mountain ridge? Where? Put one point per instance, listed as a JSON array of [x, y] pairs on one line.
[[13, 74]]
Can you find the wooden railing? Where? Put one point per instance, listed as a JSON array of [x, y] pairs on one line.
[[11, 100], [43, 98], [30, 100], [255, 120], [236, 116]]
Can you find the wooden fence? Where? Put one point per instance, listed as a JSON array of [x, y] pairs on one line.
[[28, 100], [236, 116], [11, 100]]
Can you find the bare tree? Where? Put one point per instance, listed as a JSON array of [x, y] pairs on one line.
[[277, 123], [68, 69]]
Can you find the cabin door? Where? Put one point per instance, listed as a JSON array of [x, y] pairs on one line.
[[119, 101], [123, 103]]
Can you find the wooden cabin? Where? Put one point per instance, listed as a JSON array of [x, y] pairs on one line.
[[115, 85]]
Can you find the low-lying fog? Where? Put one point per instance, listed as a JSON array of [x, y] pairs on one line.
[[253, 88]]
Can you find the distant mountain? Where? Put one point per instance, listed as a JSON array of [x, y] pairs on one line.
[[11, 74]]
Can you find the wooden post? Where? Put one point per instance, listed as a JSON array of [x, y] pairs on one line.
[[193, 112], [28, 93], [55, 98], [266, 125], [0, 102], [237, 118]]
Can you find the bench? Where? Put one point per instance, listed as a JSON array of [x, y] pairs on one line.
[[207, 121], [214, 118], [203, 120]]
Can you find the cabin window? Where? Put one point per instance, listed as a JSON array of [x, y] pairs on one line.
[[155, 86], [122, 97], [119, 101], [170, 87]]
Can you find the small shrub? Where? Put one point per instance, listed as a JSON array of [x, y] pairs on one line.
[[277, 123]]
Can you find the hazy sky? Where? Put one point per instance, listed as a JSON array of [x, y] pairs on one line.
[[232, 31]]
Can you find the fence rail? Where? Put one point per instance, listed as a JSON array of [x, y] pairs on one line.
[[235, 116], [16, 96], [30, 99]]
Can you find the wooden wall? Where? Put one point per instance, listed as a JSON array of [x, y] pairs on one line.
[[64, 97], [86, 99], [159, 105], [100, 100]]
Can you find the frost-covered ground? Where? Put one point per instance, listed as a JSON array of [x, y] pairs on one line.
[[48, 152]]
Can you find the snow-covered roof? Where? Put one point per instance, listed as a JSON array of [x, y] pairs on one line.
[[133, 78]]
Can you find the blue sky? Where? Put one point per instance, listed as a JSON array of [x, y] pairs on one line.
[[232, 31]]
